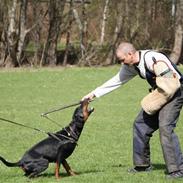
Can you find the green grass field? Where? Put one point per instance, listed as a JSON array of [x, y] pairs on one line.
[[104, 153]]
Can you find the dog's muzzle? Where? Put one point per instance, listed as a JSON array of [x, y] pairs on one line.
[[90, 110]]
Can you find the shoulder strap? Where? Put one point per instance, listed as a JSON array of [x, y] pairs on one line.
[[150, 76], [145, 64]]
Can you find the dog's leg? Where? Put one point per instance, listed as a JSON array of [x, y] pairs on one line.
[[68, 168], [58, 161], [34, 168], [57, 169]]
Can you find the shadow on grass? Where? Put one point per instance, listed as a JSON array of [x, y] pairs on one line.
[[62, 175], [157, 166]]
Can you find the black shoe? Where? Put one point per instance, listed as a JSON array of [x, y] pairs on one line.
[[137, 169], [175, 175]]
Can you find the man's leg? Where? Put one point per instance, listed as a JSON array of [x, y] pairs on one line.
[[144, 126], [168, 117]]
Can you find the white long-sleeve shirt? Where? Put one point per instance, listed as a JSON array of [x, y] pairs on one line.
[[126, 72]]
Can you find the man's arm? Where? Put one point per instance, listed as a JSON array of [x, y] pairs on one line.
[[124, 75]]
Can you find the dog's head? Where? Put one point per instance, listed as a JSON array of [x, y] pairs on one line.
[[82, 112]]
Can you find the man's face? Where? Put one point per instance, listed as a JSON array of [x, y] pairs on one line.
[[125, 58]]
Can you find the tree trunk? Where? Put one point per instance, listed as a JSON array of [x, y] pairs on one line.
[[111, 55], [22, 31], [84, 29], [55, 19], [82, 34], [173, 8], [3, 28], [68, 34], [37, 33], [104, 20], [178, 45], [39, 15], [12, 37]]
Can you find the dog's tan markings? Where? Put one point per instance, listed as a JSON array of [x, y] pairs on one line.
[[57, 168], [68, 168], [85, 110]]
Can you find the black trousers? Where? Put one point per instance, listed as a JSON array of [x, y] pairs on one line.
[[165, 120]]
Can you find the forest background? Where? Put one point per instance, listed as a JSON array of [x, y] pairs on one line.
[[86, 32]]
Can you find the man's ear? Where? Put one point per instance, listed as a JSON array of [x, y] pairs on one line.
[[129, 53]]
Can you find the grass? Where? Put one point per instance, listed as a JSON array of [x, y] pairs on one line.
[[105, 147]]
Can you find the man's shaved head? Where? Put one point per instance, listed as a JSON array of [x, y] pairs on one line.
[[126, 48], [127, 54]]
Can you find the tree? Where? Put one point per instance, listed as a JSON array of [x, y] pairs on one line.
[[82, 25], [11, 36], [15, 33], [111, 54], [23, 31], [30, 29], [40, 11], [68, 33], [3, 28], [178, 41], [104, 20], [56, 9]]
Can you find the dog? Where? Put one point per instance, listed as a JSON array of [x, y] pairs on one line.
[[56, 148]]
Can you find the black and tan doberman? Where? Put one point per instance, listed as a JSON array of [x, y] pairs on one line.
[[56, 148]]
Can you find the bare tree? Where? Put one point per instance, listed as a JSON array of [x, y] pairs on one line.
[[36, 32], [15, 35], [22, 31], [82, 24], [173, 8], [117, 31], [178, 41], [11, 36], [56, 9], [156, 24], [68, 33], [104, 20], [39, 12], [3, 28], [84, 29], [78, 20]]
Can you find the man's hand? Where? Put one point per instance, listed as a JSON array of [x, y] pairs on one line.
[[89, 97]]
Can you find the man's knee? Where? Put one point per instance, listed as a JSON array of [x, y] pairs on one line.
[[166, 133], [139, 130]]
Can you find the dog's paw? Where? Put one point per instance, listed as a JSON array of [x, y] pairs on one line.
[[32, 176], [72, 173], [58, 177]]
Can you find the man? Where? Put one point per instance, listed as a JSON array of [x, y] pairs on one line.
[[163, 114]]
